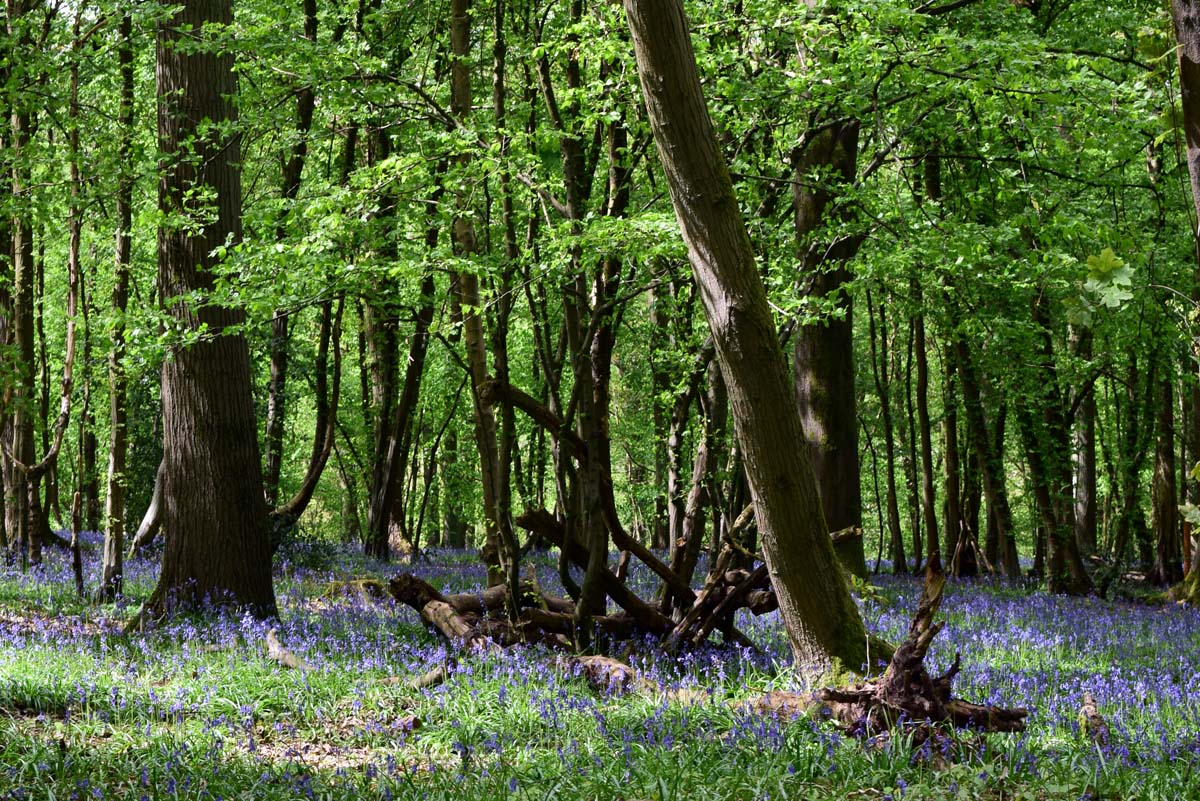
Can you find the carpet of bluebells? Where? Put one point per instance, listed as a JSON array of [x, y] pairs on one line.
[[193, 709]]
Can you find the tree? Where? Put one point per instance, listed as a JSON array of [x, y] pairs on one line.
[[820, 616], [214, 513], [1186, 16]]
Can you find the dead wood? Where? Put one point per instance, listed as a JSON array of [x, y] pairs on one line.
[[1091, 722], [906, 691], [276, 652], [647, 617]]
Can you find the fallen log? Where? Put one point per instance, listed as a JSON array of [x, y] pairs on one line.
[[475, 620]]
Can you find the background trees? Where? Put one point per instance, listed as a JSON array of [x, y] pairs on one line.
[[996, 189]]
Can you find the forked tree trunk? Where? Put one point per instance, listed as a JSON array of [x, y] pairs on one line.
[[214, 512], [820, 616]]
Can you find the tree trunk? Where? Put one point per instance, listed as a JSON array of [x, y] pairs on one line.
[[824, 351], [214, 512], [293, 168], [990, 461], [1084, 453], [1168, 567], [960, 545], [111, 567], [818, 612], [879, 367], [20, 529], [928, 500], [1186, 17]]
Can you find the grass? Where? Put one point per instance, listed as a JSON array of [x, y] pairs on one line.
[[194, 709]]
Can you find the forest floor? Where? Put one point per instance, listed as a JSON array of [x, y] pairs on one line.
[[194, 709]]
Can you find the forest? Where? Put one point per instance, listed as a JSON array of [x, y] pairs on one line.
[[579, 399]]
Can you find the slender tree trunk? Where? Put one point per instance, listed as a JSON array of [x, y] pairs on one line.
[[214, 512], [1048, 451], [293, 169], [960, 545], [879, 366], [910, 456], [22, 399], [1084, 453], [502, 549], [111, 567], [1168, 568], [990, 462], [818, 612], [928, 500]]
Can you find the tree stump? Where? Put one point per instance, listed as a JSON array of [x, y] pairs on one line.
[[906, 691]]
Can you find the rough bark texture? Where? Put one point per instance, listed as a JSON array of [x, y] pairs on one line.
[[1186, 16], [824, 351], [213, 509], [906, 695], [821, 619]]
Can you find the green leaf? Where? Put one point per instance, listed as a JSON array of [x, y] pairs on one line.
[[1103, 266]]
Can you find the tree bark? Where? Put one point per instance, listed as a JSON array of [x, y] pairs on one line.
[[22, 397], [111, 567], [820, 616], [293, 169], [1186, 17], [933, 547], [214, 512], [824, 351], [879, 368], [1084, 454], [1168, 567], [990, 462]]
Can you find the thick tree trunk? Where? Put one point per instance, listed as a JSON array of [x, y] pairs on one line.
[[824, 352], [214, 513], [1186, 16], [820, 616]]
